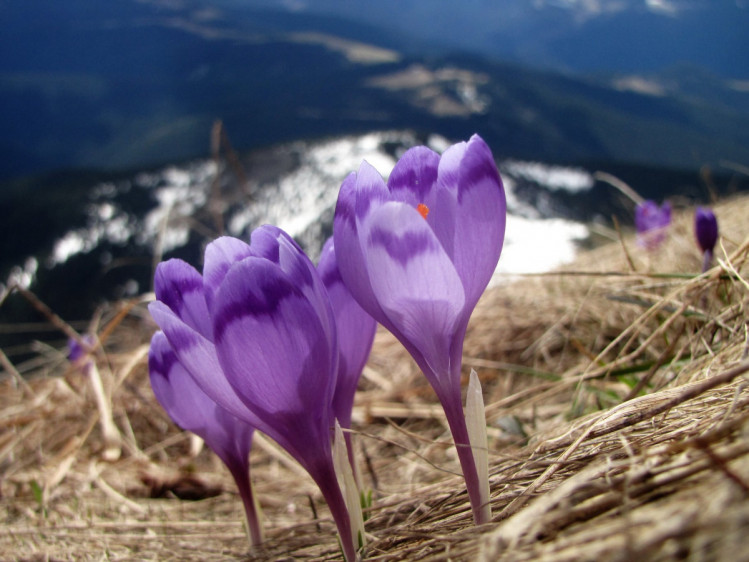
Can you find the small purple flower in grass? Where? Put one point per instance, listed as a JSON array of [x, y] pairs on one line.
[[76, 351], [417, 254], [706, 231], [652, 222], [356, 330], [258, 335], [191, 409]]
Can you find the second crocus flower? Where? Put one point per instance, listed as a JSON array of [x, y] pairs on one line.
[[258, 335], [191, 409], [417, 253]]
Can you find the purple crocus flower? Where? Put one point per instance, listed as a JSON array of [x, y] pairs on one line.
[[417, 254], [191, 409], [356, 331], [258, 335], [651, 223], [706, 231], [76, 351]]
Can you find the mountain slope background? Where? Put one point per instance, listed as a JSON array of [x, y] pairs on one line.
[[134, 84], [582, 36]]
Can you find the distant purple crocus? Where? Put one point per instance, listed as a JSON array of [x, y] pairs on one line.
[[258, 335], [706, 231], [356, 330], [417, 254], [76, 351], [652, 222], [191, 409]]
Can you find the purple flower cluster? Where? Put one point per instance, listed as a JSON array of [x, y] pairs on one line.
[[264, 340], [258, 335]]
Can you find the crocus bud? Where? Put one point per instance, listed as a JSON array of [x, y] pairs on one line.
[[706, 232]]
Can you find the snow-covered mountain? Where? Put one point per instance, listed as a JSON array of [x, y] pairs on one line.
[[294, 186]]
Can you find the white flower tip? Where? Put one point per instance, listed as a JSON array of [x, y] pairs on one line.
[[347, 483], [476, 423]]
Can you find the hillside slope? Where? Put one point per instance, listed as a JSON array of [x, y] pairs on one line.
[[617, 410]]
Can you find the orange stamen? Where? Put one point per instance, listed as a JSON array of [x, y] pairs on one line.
[[423, 210]]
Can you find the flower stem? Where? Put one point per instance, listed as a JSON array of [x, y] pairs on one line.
[[707, 259], [327, 481], [241, 474], [453, 408]]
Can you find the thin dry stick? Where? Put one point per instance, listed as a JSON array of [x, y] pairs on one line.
[[158, 245], [630, 263], [46, 311], [116, 496], [215, 203], [519, 501], [109, 431], [620, 185]]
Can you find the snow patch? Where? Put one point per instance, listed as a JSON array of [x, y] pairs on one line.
[[551, 177], [535, 246]]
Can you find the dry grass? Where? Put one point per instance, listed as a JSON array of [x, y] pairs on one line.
[[617, 409]]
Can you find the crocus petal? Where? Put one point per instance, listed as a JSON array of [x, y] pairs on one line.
[[191, 408], [275, 353], [348, 248], [277, 246], [274, 245], [414, 281], [303, 275], [198, 355], [220, 255], [414, 176], [706, 229], [356, 330], [370, 189], [180, 287], [652, 222], [80, 355], [469, 214]]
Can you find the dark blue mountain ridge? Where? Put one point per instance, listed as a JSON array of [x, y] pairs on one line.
[[140, 84], [579, 36]]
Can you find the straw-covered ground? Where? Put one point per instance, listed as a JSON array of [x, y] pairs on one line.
[[618, 417]]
